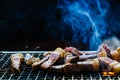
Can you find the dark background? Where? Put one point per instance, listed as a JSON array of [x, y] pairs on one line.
[[27, 24]]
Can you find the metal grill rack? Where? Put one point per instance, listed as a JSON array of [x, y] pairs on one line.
[[28, 74]]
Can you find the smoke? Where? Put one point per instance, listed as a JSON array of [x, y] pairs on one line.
[[84, 24], [87, 20], [113, 42]]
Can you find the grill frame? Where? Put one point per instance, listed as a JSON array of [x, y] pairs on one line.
[[27, 72]]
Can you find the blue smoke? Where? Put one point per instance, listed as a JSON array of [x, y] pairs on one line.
[[87, 20]]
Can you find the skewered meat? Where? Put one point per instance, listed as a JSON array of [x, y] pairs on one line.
[[103, 50], [69, 58], [79, 67], [30, 59], [16, 60], [73, 55]]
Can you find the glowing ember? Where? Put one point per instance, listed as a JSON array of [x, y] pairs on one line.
[[108, 73]]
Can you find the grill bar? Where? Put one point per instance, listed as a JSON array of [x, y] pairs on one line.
[[5, 62], [21, 52], [90, 77], [81, 77], [4, 74], [37, 75], [45, 76], [27, 72], [72, 77], [118, 78], [100, 77], [10, 76], [21, 73], [36, 51], [54, 78]]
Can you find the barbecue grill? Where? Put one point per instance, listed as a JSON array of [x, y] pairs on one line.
[[28, 74]]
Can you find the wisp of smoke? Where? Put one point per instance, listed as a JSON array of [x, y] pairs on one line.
[[87, 20]]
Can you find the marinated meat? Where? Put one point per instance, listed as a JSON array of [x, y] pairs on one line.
[[79, 67], [37, 64], [104, 47], [102, 54], [30, 59], [73, 50], [16, 60], [108, 64], [60, 50], [116, 54], [116, 68], [69, 58], [54, 56]]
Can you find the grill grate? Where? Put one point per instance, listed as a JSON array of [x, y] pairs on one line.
[[28, 74]]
